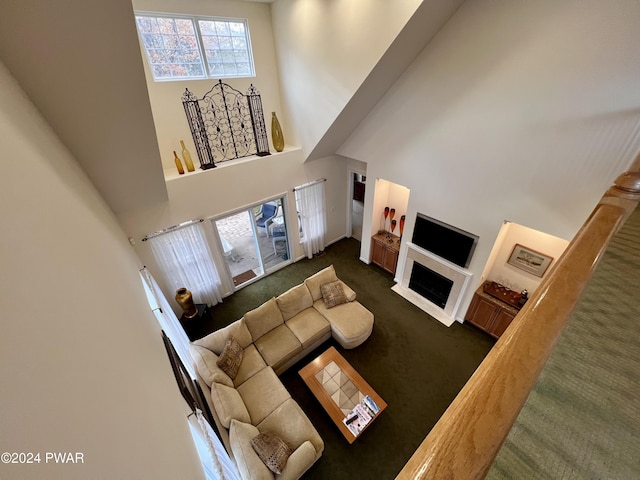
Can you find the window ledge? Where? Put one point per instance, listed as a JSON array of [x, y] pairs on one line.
[[171, 174]]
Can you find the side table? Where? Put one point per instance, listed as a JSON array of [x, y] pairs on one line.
[[193, 326]]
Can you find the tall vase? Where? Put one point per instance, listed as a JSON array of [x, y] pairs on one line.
[[185, 300], [187, 157], [178, 163], [276, 133]]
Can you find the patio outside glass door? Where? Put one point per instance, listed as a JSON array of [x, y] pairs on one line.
[[252, 247]]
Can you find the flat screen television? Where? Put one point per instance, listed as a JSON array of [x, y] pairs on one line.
[[446, 241]]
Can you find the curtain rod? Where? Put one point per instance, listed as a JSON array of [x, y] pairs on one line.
[[305, 185], [171, 229]]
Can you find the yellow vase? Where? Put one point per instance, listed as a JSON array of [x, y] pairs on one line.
[[178, 163], [276, 133], [185, 300], [187, 157]]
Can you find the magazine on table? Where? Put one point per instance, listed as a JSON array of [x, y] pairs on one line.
[[361, 415], [370, 405]]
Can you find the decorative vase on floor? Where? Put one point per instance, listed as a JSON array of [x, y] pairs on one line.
[[178, 163], [187, 157], [185, 300], [276, 133]]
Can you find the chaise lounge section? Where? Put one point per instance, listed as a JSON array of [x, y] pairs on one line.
[[269, 340]]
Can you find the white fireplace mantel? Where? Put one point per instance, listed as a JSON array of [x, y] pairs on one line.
[[460, 277]]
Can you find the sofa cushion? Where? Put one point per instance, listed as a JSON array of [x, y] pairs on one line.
[[249, 464], [262, 394], [294, 300], [263, 319], [206, 364], [308, 326], [351, 323], [228, 404], [313, 283], [293, 426], [278, 346], [216, 341], [348, 291], [333, 294], [252, 363], [299, 462], [230, 357], [272, 450]]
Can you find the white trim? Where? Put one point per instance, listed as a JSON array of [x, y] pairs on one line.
[[461, 279]]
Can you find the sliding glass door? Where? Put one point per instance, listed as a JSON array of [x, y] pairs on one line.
[[254, 241]]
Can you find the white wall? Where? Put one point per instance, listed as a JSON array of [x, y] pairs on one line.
[[519, 110], [82, 362], [166, 97], [392, 195], [78, 63], [497, 268], [325, 52]]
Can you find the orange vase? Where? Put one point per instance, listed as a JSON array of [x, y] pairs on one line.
[[178, 163]]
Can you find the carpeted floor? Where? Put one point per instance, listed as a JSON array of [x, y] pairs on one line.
[[582, 419], [415, 363]]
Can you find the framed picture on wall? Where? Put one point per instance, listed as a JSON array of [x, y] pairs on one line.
[[529, 260]]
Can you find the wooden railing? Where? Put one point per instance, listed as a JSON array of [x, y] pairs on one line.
[[466, 439]]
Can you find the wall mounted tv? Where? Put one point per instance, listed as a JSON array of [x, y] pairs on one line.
[[444, 240]]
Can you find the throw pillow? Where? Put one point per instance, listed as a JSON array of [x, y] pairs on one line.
[[272, 450], [333, 294], [230, 358]]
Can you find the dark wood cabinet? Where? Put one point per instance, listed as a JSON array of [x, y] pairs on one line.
[[385, 248], [489, 313]]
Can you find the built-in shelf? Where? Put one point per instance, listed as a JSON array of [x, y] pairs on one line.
[[171, 174]]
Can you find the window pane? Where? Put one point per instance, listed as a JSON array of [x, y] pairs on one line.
[[147, 25], [225, 43], [227, 56], [222, 28], [185, 27], [166, 25], [216, 69], [243, 69], [239, 43], [151, 40], [240, 56], [213, 56], [236, 29], [174, 50], [210, 43], [170, 41], [230, 69]]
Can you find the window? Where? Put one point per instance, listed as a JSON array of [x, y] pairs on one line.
[[189, 47]]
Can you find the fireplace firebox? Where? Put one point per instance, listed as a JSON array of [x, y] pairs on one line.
[[431, 285]]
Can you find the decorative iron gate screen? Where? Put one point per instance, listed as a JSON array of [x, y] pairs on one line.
[[226, 124]]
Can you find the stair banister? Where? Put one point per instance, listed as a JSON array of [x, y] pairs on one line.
[[468, 436]]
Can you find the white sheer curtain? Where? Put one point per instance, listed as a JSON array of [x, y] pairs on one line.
[[311, 204], [184, 257], [216, 462], [167, 319]]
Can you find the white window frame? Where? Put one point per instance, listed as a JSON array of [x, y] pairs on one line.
[[205, 61]]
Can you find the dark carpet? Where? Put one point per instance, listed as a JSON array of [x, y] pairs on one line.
[[415, 363]]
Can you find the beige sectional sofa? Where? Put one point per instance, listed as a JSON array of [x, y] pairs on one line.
[[272, 338]]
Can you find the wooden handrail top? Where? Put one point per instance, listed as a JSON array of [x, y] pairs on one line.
[[466, 439]]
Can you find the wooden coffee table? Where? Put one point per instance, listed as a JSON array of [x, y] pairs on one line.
[[338, 388]]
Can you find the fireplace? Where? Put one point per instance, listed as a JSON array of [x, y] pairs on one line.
[[431, 285], [442, 293]]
